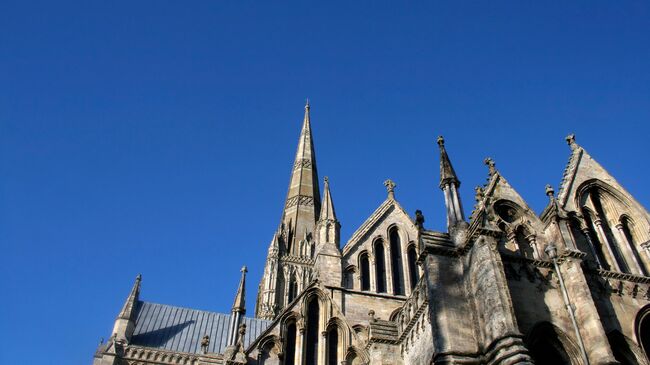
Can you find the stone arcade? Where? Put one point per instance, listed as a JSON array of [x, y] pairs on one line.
[[504, 286]]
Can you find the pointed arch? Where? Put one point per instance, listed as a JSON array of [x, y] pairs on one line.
[[348, 277], [412, 257], [269, 350], [312, 330], [548, 345], [397, 267], [380, 265], [364, 265], [642, 329], [625, 350]]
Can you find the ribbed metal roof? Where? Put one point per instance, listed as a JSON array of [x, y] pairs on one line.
[[181, 329]]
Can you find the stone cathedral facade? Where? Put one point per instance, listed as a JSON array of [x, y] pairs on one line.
[[500, 286]]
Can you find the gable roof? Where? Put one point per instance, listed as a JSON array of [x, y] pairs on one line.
[[375, 217], [181, 329]]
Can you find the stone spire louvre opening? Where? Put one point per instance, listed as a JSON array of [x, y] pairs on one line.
[[302, 206]]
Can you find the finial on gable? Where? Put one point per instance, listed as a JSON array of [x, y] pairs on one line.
[[571, 141], [390, 187], [491, 165], [550, 192]]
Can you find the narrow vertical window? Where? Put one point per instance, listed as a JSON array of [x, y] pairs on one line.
[[293, 289], [380, 266], [290, 347], [333, 346], [364, 263], [413, 268], [348, 278], [311, 343], [397, 268]]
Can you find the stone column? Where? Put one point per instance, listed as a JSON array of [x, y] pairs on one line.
[[626, 246], [300, 342], [592, 247], [373, 272], [602, 237], [532, 240], [322, 348]]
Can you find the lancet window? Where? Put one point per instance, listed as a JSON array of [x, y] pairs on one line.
[[380, 266], [413, 268], [290, 344], [332, 342], [397, 270], [364, 264], [312, 331]]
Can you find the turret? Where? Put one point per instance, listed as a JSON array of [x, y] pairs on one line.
[[449, 184], [328, 255], [238, 310]]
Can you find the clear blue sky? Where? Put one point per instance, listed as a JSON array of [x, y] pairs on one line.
[[156, 137]]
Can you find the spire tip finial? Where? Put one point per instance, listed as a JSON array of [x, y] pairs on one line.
[[571, 140], [441, 141]]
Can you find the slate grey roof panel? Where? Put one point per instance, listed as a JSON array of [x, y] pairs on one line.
[[181, 329]]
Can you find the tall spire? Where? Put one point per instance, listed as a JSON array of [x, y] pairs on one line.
[[449, 184], [327, 209], [302, 206]]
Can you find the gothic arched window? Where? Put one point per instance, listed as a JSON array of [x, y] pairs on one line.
[[313, 320], [546, 347], [413, 266], [290, 344], [380, 266], [348, 278], [595, 213], [396, 262], [333, 346], [364, 263]]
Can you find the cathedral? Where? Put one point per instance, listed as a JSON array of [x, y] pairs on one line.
[[502, 285]]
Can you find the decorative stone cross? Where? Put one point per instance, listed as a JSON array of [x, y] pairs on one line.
[[244, 269], [390, 187]]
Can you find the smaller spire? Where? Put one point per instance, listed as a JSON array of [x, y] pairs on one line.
[[447, 173], [327, 209], [240, 298], [131, 300], [390, 188]]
